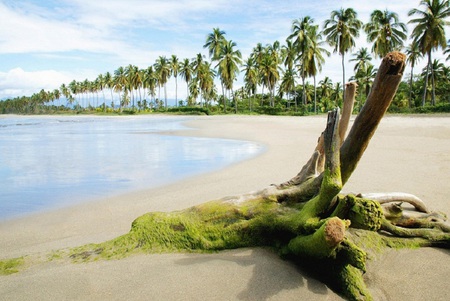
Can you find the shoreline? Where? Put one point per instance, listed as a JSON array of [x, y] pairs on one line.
[[406, 154]]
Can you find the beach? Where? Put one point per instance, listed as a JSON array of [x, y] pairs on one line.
[[408, 154]]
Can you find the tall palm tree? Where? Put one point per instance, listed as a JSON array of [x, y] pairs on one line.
[[186, 73], [175, 66], [301, 37], [109, 82], [429, 32], [197, 64], [150, 81], [65, 92], [162, 67], [134, 81], [229, 62], [413, 56], [73, 87], [385, 31], [205, 77], [269, 72], [341, 30], [362, 59], [437, 71], [250, 78], [257, 55], [119, 83], [289, 54], [214, 42], [314, 58]]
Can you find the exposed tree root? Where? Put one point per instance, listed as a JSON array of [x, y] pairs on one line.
[[305, 219]]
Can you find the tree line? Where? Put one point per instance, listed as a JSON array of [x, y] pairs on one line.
[[275, 76]]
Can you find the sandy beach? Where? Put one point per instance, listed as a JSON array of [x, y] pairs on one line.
[[408, 154]]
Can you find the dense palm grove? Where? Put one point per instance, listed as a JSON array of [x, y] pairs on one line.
[[277, 78]]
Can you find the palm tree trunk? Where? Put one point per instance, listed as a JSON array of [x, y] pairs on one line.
[[433, 87], [425, 85], [112, 97], [315, 96], [165, 95], [262, 95], [303, 90], [343, 77], [176, 91], [410, 86]]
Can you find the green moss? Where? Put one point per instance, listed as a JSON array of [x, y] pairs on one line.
[[11, 266], [208, 227], [352, 284]]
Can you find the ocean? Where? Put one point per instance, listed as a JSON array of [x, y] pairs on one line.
[[48, 162]]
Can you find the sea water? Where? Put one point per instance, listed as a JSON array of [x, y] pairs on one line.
[[50, 162]]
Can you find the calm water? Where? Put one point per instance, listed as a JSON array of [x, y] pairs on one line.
[[49, 162]]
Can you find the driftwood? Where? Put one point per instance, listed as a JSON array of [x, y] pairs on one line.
[[305, 217]]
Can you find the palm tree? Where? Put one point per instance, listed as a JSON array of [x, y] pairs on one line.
[[314, 58], [102, 85], [288, 84], [134, 81], [437, 71], [257, 55], [229, 63], [205, 77], [214, 42], [269, 72], [336, 94], [429, 32], [119, 83], [110, 84], [150, 81], [365, 77], [65, 92], [341, 30], [289, 54], [326, 86], [413, 56], [250, 77], [301, 37], [197, 64], [73, 87], [175, 66], [186, 72], [162, 67], [362, 59], [385, 31]]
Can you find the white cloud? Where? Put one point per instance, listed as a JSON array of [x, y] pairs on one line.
[[27, 83]]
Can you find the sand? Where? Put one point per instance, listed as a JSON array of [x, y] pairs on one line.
[[408, 153]]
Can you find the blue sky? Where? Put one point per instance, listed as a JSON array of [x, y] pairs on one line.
[[44, 43]]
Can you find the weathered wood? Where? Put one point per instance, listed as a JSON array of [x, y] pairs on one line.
[[385, 85]]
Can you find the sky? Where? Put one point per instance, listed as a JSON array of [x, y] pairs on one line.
[[44, 43]]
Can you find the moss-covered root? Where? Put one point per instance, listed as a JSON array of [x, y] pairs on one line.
[[436, 237], [362, 213], [323, 242], [350, 281]]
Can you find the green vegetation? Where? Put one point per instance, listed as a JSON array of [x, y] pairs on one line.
[[10, 266], [275, 76]]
